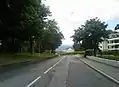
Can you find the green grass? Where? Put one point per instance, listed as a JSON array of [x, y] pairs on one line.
[[111, 57], [21, 57], [73, 53]]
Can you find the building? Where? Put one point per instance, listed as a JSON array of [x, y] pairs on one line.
[[104, 45], [110, 44], [113, 42]]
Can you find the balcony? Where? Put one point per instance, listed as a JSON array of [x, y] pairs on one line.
[[110, 49], [113, 39]]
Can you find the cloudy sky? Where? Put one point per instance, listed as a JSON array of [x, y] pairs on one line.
[[72, 13]]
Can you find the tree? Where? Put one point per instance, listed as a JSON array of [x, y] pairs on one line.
[[21, 20], [91, 33], [77, 46], [26, 22], [52, 36], [32, 21]]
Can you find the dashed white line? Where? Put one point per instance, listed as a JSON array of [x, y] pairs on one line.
[[34, 81], [53, 66], [48, 70]]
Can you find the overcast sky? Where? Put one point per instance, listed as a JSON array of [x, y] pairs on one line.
[[72, 13]]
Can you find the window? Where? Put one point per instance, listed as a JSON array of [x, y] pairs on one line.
[[111, 41]]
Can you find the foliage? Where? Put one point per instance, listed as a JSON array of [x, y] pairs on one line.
[[110, 53], [23, 57], [91, 33], [24, 24], [52, 36], [111, 57], [78, 47], [73, 53]]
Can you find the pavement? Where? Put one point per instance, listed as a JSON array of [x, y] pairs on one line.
[[63, 71]]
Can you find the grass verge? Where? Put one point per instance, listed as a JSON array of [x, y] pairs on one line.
[[73, 53], [111, 57], [22, 57]]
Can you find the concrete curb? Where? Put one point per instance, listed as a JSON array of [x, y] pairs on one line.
[[102, 73], [6, 67]]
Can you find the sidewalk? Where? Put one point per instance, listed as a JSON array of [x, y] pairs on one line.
[[109, 70]]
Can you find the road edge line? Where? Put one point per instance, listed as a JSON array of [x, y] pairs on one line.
[[102, 73]]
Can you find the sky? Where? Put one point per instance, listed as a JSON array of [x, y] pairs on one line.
[[70, 14]]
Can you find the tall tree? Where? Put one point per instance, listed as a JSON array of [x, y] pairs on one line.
[[21, 20], [26, 22], [91, 33], [52, 36]]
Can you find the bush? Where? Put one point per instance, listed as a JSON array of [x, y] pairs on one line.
[[111, 57], [110, 53]]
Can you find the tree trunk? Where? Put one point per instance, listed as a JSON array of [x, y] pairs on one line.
[[31, 47], [85, 54]]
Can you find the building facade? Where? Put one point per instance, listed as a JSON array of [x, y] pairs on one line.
[[110, 44]]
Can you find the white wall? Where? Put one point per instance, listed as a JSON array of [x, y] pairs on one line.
[[103, 46]]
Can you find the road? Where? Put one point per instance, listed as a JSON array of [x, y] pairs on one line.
[[64, 71]]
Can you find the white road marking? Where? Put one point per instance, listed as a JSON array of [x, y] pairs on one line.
[[33, 81], [53, 66], [47, 70], [30, 84]]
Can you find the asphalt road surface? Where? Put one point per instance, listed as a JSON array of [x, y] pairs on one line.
[[64, 71]]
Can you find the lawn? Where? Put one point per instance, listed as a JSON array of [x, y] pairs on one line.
[[21, 57]]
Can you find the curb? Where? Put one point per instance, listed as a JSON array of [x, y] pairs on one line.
[[102, 73], [6, 67]]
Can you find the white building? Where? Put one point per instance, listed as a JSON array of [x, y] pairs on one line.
[[111, 44], [104, 45]]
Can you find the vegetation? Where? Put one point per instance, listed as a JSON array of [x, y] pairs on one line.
[[73, 53], [23, 57], [25, 27], [89, 35], [111, 57]]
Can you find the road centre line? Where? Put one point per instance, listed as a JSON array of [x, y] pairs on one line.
[[30, 84], [53, 66], [48, 70]]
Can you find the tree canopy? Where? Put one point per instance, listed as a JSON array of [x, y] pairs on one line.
[[91, 33], [26, 22]]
